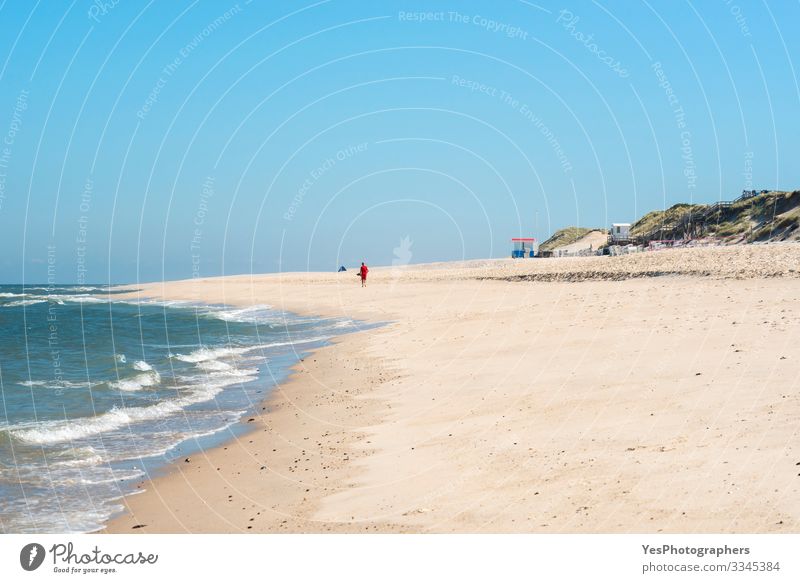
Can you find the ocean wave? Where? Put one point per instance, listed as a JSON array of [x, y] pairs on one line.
[[82, 299], [235, 416], [27, 299], [71, 288], [54, 384], [293, 342], [83, 288], [216, 374], [258, 314], [51, 432], [28, 302], [266, 315], [206, 354], [30, 299], [159, 303], [142, 365], [138, 382], [215, 365], [88, 461], [108, 477]]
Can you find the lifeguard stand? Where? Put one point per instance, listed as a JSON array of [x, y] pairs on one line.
[[524, 247]]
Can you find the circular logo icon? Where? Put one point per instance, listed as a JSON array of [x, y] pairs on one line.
[[31, 556]]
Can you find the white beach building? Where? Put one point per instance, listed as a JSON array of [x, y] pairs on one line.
[[620, 232]]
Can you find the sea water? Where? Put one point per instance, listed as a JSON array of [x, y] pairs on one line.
[[97, 392]]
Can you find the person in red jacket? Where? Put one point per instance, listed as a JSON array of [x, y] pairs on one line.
[[363, 273]]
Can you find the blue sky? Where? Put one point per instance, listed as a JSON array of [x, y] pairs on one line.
[[143, 141]]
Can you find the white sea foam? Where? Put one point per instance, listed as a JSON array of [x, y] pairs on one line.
[[28, 302], [217, 374], [117, 418], [234, 416], [87, 288], [258, 314], [28, 299], [54, 384], [142, 365], [206, 354], [121, 358], [88, 461], [78, 288], [293, 342], [214, 354], [109, 477], [81, 299], [138, 382], [50, 432], [161, 303], [214, 365], [60, 299]]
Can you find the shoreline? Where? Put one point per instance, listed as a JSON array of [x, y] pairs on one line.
[[513, 405], [271, 459], [172, 481]]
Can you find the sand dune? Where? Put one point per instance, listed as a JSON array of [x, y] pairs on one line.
[[591, 241]]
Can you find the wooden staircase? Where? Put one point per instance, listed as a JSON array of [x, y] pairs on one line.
[[693, 223]]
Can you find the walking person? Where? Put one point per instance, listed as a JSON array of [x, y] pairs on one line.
[[363, 273]]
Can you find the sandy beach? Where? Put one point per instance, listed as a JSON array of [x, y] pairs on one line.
[[655, 392]]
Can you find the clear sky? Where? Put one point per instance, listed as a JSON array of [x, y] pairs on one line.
[[150, 140]]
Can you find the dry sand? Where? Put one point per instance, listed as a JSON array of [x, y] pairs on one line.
[[646, 393]]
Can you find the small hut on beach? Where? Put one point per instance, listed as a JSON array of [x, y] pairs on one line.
[[524, 247]]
